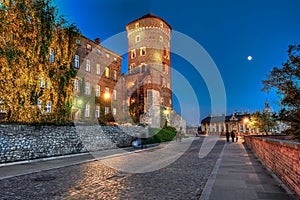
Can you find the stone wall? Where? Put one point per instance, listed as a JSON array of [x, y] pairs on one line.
[[24, 142], [280, 156]]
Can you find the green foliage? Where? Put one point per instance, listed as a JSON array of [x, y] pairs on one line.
[[170, 128], [286, 82], [160, 135], [28, 31], [262, 121]]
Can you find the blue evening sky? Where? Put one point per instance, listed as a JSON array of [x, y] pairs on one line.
[[229, 30]]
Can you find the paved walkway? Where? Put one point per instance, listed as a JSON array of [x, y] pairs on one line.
[[238, 174]]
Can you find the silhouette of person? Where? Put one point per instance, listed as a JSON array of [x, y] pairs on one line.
[[227, 135], [232, 135]]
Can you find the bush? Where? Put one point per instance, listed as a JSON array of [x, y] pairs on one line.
[[170, 128], [160, 135]]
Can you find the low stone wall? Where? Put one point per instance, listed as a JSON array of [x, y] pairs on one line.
[[280, 156], [24, 142]]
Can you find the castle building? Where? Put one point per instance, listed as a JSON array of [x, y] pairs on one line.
[[148, 81], [98, 71]]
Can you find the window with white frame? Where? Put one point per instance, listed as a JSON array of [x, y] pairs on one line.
[[107, 72], [39, 104], [51, 55], [97, 111], [87, 110], [137, 38], [143, 51], [42, 84], [48, 108], [87, 88], [98, 69], [88, 47], [114, 111], [106, 110], [99, 52], [76, 84], [161, 39], [88, 65], [114, 95], [133, 53], [97, 90], [76, 61], [106, 89], [115, 75]]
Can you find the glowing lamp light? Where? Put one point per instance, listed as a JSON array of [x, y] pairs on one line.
[[106, 95], [246, 120]]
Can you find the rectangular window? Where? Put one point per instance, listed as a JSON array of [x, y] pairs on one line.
[[88, 65], [137, 25], [97, 90], [143, 51], [48, 108], [106, 110], [99, 52], [98, 69], [87, 110], [51, 55], [114, 95], [76, 84], [133, 53], [97, 112], [115, 75], [88, 47], [137, 38], [87, 88], [42, 84], [106, 89], [114, 111], [39, 104], [76, 61], [107, 72]]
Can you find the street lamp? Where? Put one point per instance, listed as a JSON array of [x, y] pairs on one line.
[[106, 95], [246, 120]]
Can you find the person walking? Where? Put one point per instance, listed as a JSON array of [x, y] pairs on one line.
[[179, 135], [232, 135], [227, 135]]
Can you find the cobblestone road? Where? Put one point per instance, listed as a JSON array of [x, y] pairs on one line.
[[183, 179]]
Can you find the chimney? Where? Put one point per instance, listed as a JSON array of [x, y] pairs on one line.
[[97, 40]]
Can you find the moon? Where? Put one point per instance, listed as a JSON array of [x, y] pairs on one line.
[[249, 58]]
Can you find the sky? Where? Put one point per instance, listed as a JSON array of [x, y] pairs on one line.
[[228, 30]]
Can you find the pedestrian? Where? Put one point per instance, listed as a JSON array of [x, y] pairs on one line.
[[179, 135], [232, 135], [227, 135], [236, 137]]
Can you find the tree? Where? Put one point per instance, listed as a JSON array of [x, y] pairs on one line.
[[286, 82], [262, 121], [36, 53]]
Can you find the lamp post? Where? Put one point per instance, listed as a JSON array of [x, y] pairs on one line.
[[245, 122]]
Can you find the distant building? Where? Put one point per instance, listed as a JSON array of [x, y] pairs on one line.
[[219, 124]]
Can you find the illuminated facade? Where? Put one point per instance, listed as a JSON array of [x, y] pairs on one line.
[[148, 81], [98, 71]]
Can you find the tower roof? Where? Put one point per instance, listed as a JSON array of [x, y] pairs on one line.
[[150, 15]]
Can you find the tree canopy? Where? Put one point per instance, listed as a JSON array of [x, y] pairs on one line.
[[286, 81], [36, 53], [264, 122]]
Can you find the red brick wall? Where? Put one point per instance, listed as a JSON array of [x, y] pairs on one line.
[[282, 157]]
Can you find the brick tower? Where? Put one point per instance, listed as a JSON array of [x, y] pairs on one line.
[[148, 82]]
